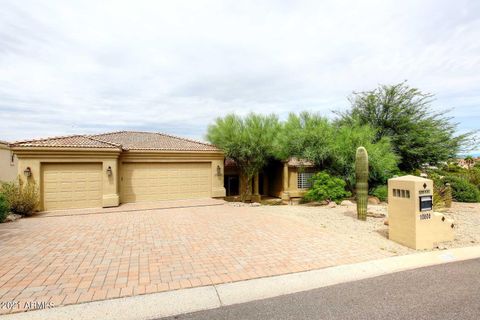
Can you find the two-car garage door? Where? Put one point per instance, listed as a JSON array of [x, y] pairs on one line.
[[165, 181], [79, 185]]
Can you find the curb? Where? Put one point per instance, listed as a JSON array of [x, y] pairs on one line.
[[157, 305]]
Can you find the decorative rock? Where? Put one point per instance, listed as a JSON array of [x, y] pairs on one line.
[[347, 203], [375, 215], [315, 204], [12, 217], [332, 204], [373, 200]]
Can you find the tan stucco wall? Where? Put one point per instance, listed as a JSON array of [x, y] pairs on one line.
[[8, 170], [35, 157], [293, 189]]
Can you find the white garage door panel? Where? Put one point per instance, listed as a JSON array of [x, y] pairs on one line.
[[165, 181], [68, 186]]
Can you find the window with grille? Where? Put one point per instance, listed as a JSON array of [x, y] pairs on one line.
[[304, 180]]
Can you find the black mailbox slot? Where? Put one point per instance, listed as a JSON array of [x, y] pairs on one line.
[[426, 203]]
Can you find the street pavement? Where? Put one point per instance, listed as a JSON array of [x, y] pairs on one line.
[[447, 291]]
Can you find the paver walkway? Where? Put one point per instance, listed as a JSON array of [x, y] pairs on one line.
[[73, 259]]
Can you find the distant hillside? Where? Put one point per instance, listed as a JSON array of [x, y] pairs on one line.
[[474, 154]]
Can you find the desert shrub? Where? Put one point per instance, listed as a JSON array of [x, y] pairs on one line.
[[22, 198], [453, 167], [381, 192], [4, 208], [462, 189], [474, 176], [447, 195], [442, 191], [326, 187]]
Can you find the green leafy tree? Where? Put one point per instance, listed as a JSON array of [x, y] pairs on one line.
[[419, 134], [332, 147], [308, 136], [382, 160], [249, 141]]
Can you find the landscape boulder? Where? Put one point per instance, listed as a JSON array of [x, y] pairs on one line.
[[332, 204], [347, 203], [373, 200], [12, 217]]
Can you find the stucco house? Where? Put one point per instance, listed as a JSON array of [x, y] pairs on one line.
[[8, 163], [104, 170], [288, 180]]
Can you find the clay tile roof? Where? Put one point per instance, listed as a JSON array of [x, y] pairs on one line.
[[136, 140], [126, 140], [75, 141]]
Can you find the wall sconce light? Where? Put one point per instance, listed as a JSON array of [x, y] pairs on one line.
[[219, 171], [109, 171], [27, 172]]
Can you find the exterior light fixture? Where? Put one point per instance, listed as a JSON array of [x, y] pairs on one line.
[[27, 172], [219, 171], [109, 171]]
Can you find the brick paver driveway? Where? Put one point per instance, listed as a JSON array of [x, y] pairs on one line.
[[74, 259]]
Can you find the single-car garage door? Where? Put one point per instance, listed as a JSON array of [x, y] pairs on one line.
[[72, 185], [165, 181]]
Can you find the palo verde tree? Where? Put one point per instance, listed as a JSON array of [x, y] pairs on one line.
[[248, 141], [332, 146], [307, 136], [418, 133]]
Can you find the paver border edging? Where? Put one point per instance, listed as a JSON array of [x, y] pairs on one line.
[[170, 303]]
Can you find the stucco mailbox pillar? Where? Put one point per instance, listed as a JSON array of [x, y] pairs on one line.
[[411, 219]]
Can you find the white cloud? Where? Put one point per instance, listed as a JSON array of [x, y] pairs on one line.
[[93, 66]]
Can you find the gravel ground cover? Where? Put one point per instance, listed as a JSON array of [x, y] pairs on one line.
[[341, 219]]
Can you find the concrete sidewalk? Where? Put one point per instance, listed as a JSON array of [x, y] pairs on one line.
[[208, 297]]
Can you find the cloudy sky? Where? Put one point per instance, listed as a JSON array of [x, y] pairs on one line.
[[173, 66]]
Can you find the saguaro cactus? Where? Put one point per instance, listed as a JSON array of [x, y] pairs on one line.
[[361, 173]]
